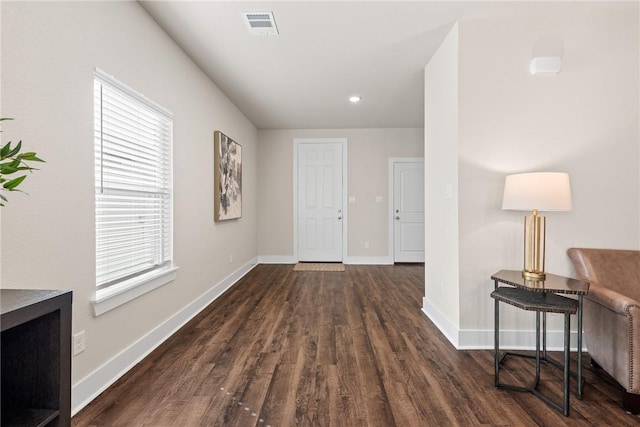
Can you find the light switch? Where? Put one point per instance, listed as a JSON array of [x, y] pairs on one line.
[[378, 199], [352, 199], [448, 192]]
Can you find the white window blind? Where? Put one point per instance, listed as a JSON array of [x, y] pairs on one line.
[[133, 139]]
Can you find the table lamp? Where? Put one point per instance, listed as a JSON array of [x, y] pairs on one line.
[[537, 191]]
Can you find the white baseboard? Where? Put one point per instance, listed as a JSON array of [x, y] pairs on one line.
[[448, 329], [515, 340], [368, 260], [277, 259], [478, 339], [509, 340], [88, 388], [290, 259]]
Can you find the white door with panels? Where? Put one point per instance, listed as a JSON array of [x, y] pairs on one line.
[[320, 211], [408, 211]]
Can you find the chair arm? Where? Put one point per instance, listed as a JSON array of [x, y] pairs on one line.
[[611, 299]]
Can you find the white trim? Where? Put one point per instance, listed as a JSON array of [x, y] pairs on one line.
[[88, 388], [114, 296], [277, 259], [472, 339], [478, 339], [353, 260], [448, 329], [391, 199], [109, 79], [295, 200], [348, 260], [296, 143], [368, 260]]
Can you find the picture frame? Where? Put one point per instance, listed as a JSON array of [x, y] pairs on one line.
[[227, 178]]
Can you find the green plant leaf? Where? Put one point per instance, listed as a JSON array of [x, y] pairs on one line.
[[7, 169], [5, 150], [30, 156], [12, 166], [10, 185], [15, 150], [14, 161]]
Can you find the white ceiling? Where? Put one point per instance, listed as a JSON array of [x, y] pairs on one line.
[[326, 51]]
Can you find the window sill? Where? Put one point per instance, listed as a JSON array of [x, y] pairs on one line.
[[116, 295]]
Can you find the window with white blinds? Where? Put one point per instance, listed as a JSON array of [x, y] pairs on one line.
[[133, 182]]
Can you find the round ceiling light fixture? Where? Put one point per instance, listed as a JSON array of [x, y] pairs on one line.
[[354, 99]]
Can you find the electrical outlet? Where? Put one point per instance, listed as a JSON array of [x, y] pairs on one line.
[[366, 245], [79, 344], [230, 258]]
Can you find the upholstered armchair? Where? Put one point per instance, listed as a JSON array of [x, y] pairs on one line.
[[612, 315]]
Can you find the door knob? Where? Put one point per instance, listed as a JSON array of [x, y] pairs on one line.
[[397, 217], [339, 217]]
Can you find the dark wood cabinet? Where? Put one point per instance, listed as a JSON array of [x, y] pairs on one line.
[[35, 348]]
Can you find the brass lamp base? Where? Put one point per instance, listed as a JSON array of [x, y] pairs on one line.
[[534, 234], [533, 275]]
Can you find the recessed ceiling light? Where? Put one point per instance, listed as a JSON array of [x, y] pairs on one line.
[[354, 99]]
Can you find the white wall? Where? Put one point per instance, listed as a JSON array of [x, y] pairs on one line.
[[583, 121], [368, 151], [441, 302], [49, 51]]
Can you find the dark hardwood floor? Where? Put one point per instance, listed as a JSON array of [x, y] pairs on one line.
[[284, 348]]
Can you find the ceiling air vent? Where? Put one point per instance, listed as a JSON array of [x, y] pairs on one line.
[[261, 23]]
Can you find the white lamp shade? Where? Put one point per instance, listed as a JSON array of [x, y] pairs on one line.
[[544, 191]]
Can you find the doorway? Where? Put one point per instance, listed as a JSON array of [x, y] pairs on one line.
[[319, 205], [407, 209]]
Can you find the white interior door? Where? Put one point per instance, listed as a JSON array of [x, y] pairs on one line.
[[408, 211], [320, 214]]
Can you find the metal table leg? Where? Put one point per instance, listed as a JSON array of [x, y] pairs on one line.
[[567, 336], [580, 384], [496, 342], [514, 298], [537, 380], [544, 335]]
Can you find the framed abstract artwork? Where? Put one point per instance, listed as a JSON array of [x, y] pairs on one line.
[[227, 177]]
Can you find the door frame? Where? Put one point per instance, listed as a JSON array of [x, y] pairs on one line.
[[391, 198], [345, 213]]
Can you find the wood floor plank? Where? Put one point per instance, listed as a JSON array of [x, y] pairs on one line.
[[352, 401], [285, 348]]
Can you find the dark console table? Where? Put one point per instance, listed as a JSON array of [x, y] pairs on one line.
[[35, 385], [541, 296]]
